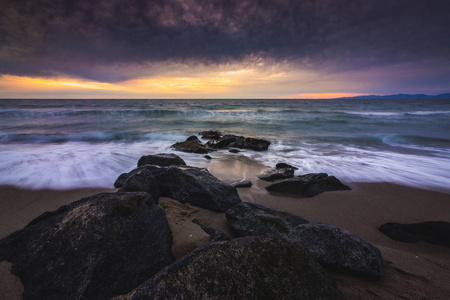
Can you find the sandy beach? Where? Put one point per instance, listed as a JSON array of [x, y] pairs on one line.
[[410, 271]]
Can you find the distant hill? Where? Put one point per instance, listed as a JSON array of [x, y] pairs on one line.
[[401, 96]]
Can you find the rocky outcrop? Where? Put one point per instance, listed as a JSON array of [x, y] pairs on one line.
[[161, 159], [330, 245], [139, 180], [433, 232], [308, 185], [94, 248], [192, 145], [244, 268], [272, 174]]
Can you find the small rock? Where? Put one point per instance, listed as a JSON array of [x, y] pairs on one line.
[[161, 159], [207, 157], [285, 166], [234, 151], [308, 185], [242, 184], [244, 268], [273, 174], [433, 232]]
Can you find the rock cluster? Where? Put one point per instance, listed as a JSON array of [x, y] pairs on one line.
[[219, 141], [119, 244]]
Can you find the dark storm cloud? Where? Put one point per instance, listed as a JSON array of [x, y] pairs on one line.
[[85, 38]]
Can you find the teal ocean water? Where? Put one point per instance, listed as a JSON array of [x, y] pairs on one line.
[[65, 144]]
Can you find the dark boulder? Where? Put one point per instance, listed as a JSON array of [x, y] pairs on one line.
[[196, 186], [244, 268], [285, 166], [234, 151], [242, 143], [247, 219], [211, 135], [94, 248], [215, 235], [433, 232], [241, 184], [161, 159], [330, 245], [139, 180], [271, 175], [192, 145], [308, 185]]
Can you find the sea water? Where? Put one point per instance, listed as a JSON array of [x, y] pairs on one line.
[[62, 144]]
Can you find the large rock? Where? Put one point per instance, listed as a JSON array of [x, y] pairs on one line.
[[434, 232], [94, 248], [139, 180], [193, 145], [330, 245], [235, 141], [244, 268], [195, 186], [211, 135], [272, 174], [308, 185], [161, 159]]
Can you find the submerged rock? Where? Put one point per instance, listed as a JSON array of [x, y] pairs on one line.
[[193, 145], [244, 268], [196, 186], [330, 245], [94, 248], [273, 174], [433, 232], [308, 185], [161, 159]]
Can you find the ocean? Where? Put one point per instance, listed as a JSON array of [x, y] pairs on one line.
[[64, 144]]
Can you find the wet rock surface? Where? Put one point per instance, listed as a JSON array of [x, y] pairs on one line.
[[330, 245], [94, 248], [308, 185], [244, 268]]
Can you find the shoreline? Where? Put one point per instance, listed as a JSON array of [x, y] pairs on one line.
[[413, 271]]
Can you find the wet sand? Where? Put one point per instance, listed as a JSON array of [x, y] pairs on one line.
[[411, 271]]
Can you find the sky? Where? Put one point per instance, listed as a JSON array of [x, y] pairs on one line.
[[222, 48]]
